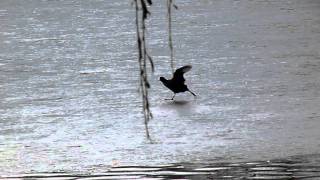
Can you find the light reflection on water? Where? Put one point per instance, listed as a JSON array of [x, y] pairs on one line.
[[69, 84]]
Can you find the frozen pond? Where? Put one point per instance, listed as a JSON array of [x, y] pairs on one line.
[[69, 96]]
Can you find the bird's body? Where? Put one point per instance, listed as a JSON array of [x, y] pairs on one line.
[[176, 84], [172, 85]]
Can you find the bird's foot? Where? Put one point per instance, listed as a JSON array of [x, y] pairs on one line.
[[172, 97], [169, 99]]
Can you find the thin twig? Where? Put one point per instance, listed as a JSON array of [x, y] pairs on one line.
[[169, 6], [143, 57]]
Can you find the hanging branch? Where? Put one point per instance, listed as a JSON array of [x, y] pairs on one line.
[[143, 57], [169, 6], [142, 13]]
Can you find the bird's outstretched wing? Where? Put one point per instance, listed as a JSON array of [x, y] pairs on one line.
[[178, 74]]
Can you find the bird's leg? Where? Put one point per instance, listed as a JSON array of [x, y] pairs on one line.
[[192, 93], [172, 97]]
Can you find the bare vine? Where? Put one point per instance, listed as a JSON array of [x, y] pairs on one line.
[[142, 14], [170, 4]]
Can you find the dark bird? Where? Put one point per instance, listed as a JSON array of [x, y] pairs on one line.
[[176, 84]]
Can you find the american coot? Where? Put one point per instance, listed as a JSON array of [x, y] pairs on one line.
[[176, 84]]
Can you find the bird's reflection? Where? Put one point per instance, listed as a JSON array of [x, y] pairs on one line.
[[179, 102], [179, 107]]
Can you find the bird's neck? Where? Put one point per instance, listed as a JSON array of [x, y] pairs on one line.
[[164, 81]]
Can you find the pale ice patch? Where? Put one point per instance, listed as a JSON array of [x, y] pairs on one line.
[[183, 107], [39, 39], [8, 33], [260, 116], [95, 70]]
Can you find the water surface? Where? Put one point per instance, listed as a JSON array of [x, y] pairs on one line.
[[69, 84]]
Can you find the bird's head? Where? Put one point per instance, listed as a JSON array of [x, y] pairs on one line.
[[162, 79]]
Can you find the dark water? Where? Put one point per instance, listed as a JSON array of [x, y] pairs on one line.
[[69, 84], [297, 167]]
